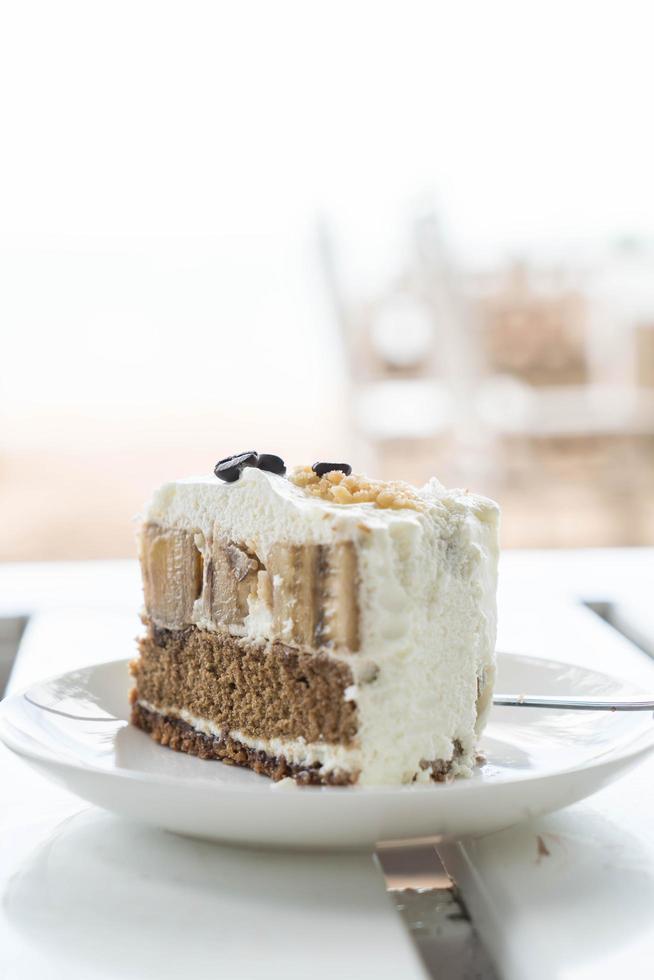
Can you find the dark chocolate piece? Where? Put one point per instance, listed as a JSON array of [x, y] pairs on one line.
[[273, 464], [229, 469], [321, 468]]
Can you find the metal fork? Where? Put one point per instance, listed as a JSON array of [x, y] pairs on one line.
[[575, 704]]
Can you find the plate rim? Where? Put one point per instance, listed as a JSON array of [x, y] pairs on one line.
[[639, 746]]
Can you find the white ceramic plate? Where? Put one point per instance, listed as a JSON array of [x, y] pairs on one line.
[[74, 730]]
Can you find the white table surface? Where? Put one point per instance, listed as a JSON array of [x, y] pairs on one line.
[[87, 895]]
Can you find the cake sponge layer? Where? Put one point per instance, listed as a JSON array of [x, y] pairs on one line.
[[266, 692]]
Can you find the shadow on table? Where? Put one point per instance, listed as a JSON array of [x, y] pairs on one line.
[[590, 892], [123, 900]]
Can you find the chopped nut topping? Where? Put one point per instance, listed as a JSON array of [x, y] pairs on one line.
[[338, 488]]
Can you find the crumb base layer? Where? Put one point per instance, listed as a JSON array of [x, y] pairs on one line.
[[182, 737], [176, 734]]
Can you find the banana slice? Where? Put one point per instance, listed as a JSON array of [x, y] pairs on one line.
[[233, 578], [172, 574], [314, 594]]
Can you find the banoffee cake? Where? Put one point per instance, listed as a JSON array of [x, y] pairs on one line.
[[317, 625]]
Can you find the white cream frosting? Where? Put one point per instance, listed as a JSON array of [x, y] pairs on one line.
[[429, 622], [426, 605], [263, 508]]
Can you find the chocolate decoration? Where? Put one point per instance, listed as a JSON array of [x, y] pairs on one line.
[[229, 469], [273, 464], [321, 468]]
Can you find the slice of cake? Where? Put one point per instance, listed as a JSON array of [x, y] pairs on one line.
[[319, 625]]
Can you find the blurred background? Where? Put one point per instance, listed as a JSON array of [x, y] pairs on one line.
[[417, 236]]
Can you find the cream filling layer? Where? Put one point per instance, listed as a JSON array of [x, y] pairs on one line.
[[296, 751], [299, 752]]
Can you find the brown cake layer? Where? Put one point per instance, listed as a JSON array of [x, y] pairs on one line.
[[271, 691], [177, 735]]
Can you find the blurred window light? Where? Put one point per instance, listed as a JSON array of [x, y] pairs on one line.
[[505, 403], [402, 332], [162, 305], [395, 409]]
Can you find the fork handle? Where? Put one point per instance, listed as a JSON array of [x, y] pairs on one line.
[[575, 704]]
